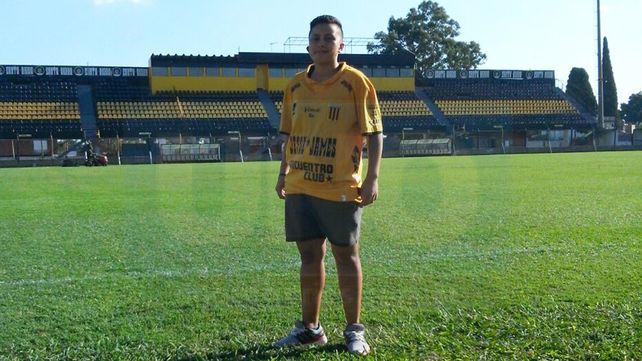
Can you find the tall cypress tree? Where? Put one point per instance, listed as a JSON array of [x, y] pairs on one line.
[[579, 88], [610, 91]]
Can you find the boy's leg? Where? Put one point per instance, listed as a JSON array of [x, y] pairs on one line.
[[312, 279], [350, 280]]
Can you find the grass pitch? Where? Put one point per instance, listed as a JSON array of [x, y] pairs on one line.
[[522, 257]]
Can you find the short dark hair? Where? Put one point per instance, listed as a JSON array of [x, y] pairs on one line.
[[325, 19]]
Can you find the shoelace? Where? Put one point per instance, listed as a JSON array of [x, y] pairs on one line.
[[355, 336]]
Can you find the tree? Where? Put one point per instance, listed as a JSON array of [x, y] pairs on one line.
[[429, 33], [579, 88], [632, 111], [610, 91]]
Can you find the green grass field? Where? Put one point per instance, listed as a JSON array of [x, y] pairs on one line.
[[524, 257]]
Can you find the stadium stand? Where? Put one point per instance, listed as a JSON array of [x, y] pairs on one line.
[[400, 109], [127, 108], [191, 108], [405, 110], [25, 90], [166, 114], [514, 103], [277, 99], [42, 109]]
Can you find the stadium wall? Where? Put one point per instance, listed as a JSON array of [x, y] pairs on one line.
[[393, 84], [261, 80], [269, 71], [184, 83]]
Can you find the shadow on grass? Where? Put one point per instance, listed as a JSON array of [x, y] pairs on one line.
[[267, 352]]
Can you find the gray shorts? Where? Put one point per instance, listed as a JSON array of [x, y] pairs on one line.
[[308, 218]]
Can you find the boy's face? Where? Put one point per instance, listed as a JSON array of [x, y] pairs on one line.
[[325, 43]]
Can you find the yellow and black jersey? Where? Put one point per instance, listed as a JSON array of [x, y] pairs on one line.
[[326, 124]]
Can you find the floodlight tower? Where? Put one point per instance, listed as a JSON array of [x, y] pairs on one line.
[[600, 78]]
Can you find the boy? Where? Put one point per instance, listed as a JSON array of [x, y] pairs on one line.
[[328, 112]]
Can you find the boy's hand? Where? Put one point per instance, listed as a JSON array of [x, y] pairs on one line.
[[280, 187], [369, 191]]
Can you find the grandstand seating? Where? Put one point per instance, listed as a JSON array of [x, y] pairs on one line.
[[32, 91], [399, 110], [505, 106], [166, 113], [122, 89], [125, 106], [180, 109], [402, 104], [488, 103], [463, 89], [404, 110], [277, 99], [41, 109]]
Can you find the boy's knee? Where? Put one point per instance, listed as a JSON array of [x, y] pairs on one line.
[[348, 260], [312, 257], [312, 252], [346, 256]]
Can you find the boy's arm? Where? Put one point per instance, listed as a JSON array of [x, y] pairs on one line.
[[370, 186], [283, 169]]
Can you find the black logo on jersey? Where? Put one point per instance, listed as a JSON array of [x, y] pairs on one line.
[[323, 147], [356, 159], [346, 85], [374, 114], [298, 144], [314, 172], [312, 112], [333, 112]]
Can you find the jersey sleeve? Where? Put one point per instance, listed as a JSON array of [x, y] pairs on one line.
[[286, 112], [368, 109]]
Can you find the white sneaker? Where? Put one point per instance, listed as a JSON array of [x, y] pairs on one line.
[[303, 336], [354, 335]]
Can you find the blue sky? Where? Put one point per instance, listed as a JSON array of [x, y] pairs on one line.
[[518, 34]]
